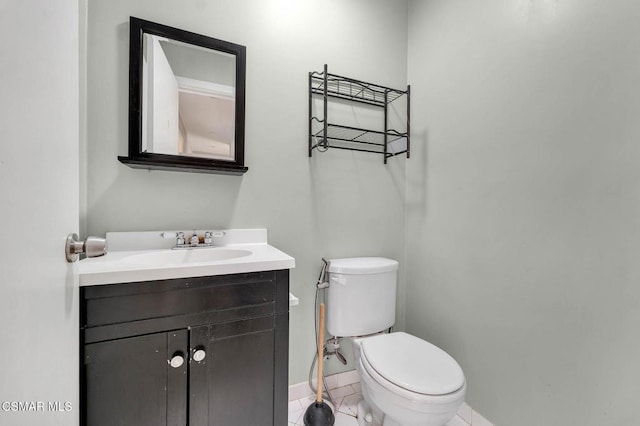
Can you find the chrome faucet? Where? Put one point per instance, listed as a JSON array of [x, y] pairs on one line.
[[193, 241]]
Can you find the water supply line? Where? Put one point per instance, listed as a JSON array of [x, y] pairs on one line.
[[332, 345], [321, 284]]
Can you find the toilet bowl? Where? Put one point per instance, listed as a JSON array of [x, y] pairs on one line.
[[406, 381]]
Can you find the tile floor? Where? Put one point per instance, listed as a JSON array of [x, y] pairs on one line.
[[346, 398]]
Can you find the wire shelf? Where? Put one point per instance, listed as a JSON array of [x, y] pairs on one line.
[[354, 90], [332, 135], [357, 139]]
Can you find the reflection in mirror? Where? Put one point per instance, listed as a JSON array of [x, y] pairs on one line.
[[186, 101], [189, 99]]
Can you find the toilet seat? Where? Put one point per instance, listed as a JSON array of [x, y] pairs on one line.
[[405, 364]]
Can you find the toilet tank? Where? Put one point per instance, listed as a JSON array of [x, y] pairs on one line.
[[361, 297]]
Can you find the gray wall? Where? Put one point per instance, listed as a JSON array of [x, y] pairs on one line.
[[335, 204], [523, 204]]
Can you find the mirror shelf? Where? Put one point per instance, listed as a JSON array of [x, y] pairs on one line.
[[159, 162]]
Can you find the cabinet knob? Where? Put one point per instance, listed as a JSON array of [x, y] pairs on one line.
[[199, 355], [177, 360]]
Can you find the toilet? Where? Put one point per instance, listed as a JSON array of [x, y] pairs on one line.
[[406, 381]]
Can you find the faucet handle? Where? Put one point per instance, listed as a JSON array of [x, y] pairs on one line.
[[208, 237], [180, 239]]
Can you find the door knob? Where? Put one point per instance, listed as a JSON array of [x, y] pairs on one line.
[[177, 360]]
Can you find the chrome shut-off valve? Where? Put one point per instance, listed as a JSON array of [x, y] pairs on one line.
[[332, 347], [92, 247]]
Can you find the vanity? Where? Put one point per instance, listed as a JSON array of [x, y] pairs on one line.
[[185, 337]]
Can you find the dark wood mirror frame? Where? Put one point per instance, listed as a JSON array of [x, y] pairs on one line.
[[144, 160]]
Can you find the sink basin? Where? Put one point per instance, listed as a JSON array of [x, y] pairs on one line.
[[186, 256]]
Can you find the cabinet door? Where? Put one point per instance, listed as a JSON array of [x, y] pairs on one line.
[[234, 383], [132, 381]]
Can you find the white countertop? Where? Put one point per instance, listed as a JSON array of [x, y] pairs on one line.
[[118, 266]]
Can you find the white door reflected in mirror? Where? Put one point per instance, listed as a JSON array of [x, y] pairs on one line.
[[188, 100]]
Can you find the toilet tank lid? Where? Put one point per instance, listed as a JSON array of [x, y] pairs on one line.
[[362, 265]]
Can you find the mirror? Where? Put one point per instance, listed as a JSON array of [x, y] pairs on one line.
[[186, 101]]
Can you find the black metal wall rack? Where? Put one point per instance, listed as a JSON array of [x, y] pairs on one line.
[[332, 135]]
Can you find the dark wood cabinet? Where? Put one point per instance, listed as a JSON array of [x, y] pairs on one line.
[[242, 357], [129, 381], [200, 351]]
